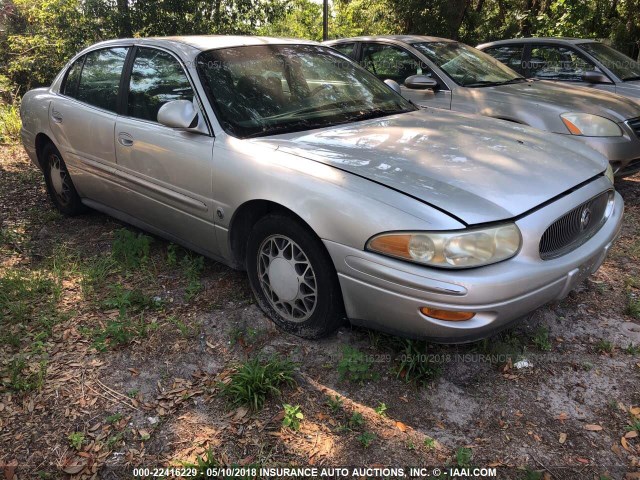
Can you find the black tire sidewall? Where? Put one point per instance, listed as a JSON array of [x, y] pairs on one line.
[[329, 311], [75, 206]]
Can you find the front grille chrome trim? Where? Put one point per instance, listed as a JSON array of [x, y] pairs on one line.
[[572, 230]]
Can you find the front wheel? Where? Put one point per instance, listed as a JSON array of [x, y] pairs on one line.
[[293, 277], [61, 190]]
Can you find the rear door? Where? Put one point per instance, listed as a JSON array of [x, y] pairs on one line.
[[392, 62], [167, 173], [83, 117]]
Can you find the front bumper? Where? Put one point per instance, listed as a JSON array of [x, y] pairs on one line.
[[622, 152], [386, 294]]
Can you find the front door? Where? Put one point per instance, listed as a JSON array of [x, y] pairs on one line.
[[395, 63], [167, 173]]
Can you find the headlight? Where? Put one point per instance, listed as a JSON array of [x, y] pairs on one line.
[[609, 173], [457, 249], [589, 125]]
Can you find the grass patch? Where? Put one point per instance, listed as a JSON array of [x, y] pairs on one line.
[[119, 331], [23, 377], [414, 363], [633, 307], [366, 439], [541, 339], [131, 249], [256, 379], [10, 122]]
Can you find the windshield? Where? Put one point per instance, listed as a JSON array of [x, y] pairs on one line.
[[271, 89], [623, 67], [467, 66]]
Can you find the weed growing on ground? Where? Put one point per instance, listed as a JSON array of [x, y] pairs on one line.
[[366, 439], [292, 416], [76, 439], [24, 377], [131, 249], [356, 421], [633, 307], [604, 346], [414, 363], [255, 380], [335, 404], [541, 339], [463, 456], [355, 366], [381, 409]]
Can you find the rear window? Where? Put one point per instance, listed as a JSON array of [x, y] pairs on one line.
[[100, 78], [70, 87]]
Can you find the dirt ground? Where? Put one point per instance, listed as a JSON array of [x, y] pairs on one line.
[[109, 363]]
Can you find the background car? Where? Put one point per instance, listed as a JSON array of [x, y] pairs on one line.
[[338, 196], [442, 73], [576, 61]]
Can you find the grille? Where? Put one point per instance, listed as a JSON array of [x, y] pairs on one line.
[[574, 228], [634, 123]]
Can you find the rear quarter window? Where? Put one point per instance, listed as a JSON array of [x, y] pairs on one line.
[[100, 78]]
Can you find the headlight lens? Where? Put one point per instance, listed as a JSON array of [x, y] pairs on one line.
[[589, 125], [457, 249], [609, 173]]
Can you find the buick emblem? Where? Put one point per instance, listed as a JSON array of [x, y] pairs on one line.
[[585, 218]]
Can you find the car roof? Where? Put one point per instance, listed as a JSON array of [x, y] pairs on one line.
[[208, 42], [534, 40], [409, 39]]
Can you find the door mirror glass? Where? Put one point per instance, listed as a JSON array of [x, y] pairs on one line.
[[420, 82], [178, 114], [395, 86], [595, 77]]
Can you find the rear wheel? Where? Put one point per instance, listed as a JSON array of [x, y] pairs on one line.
[[61, 190], [293, 277]]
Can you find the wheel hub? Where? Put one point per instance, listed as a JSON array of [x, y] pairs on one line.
[[283, 279], [287, 278]]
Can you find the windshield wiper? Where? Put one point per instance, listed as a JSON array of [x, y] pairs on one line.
[[280, 129], [487, 83], [630, 79]]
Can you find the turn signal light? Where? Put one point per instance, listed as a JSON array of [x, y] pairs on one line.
[[447, 315]]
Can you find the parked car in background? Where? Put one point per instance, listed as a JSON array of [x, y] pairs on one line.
[[447, 74], [339, 197], [576, 61]]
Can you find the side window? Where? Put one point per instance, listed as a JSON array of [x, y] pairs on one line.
[[345, 48], [557, 63], [510, 55], [100, 78], [70, 87], [156, 78], [390, 62]]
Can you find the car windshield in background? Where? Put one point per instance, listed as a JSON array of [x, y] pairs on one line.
[[467, 66], [271, 89], [625, 68]]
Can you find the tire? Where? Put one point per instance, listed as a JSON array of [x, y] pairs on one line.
[[293, 277], [61, 190]]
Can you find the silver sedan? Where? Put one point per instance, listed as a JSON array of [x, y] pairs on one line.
[[576, 61], [447, 74], [339, 197]]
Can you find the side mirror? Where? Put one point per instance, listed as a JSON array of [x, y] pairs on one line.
[[595, 77], [393, 85], [178, 114], [420, 82]]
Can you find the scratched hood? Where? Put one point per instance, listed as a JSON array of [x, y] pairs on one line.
[[476, 168]]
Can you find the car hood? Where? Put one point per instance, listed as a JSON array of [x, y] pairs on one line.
[[570, 98], [475, 168]]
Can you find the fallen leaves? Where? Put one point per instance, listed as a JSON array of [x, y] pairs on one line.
[[593, 428], [562, 438]]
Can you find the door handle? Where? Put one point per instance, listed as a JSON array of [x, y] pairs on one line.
[[56, 116], [125, 139]]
